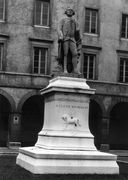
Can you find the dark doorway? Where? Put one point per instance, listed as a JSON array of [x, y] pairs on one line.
[[31, 120], [118, 133], [4, 119], [95, 119]]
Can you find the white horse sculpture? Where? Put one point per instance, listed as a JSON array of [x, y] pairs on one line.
[[71, 120]]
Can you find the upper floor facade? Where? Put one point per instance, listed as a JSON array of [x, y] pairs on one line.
[[28, 37]]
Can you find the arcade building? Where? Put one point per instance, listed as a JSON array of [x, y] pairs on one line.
[[28, 60]]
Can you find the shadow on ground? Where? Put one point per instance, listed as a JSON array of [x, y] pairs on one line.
[[10, 171]]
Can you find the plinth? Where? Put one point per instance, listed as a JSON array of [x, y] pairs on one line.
[[65, 145]]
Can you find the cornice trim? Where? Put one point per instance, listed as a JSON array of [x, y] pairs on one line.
[[122, 51], [6, 36], [92, 47], [41, 40]]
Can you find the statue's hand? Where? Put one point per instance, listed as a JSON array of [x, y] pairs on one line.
[[61, 35]]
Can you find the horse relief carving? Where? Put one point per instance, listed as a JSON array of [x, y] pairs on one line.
[[70, 120]]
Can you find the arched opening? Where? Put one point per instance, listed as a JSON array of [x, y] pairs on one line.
[[5, 109], [118, 132], [31, 120], [95, 122]]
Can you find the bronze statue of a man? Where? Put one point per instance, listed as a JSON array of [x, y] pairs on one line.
[[69, 36]]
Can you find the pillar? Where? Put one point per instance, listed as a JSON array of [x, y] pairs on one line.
[[105, 134], [14, 130]]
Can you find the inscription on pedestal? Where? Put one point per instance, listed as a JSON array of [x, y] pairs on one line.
[[70, 106], [71, 114]]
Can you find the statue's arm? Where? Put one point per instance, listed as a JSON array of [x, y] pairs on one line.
[[60, 33]]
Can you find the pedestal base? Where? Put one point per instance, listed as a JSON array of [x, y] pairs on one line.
[[42, 161], [65, 145]]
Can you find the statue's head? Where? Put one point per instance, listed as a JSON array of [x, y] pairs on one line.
[[69, 12]]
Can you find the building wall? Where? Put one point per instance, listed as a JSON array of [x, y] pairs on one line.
[[17, 80], [19, 27]]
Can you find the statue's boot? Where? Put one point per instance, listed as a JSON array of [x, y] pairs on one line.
[[65, 65], [75, 68]]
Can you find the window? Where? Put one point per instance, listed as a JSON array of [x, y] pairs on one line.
[[123, 77], [2, 10], [41, 55], [42, 12], [124, 30], [91, 21], [1, 55], [40, 60], [89, 66]]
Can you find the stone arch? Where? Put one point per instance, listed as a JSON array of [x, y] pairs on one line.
[[99, 101], [116, 100], [10, 99], [7, 107], [25, 97], [31, 107]]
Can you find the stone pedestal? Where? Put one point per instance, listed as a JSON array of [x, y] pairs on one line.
[[65, 144]]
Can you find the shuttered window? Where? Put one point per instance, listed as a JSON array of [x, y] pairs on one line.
[[123, 70], [89, 66], [40, 60], [1, 55], [42, 12], [91, 21], [124, 29], [2, 10]]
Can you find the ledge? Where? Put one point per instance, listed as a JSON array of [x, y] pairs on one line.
[[23, 80], [109, 88], [122, 51], [6, 36], [92, 47], [41, 40]]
